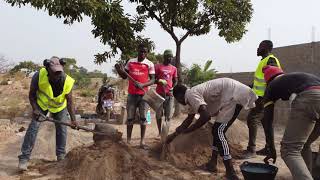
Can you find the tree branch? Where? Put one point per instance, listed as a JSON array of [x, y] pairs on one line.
[[170, 31], [184, 36]]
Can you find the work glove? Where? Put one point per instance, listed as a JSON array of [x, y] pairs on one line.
[[271, 154], [163, 82]]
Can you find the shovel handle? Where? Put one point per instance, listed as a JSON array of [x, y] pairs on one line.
[[45, 118]]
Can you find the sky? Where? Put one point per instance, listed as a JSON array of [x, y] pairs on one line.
[[30, 34]]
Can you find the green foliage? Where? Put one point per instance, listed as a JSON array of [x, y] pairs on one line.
[[114, 27], [81, 75], [122, 31], [197, 75], [29, 66], [88, 93], [196, 17], [71, 64]]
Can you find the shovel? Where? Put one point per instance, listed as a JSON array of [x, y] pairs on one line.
[[164, 131], [151, 97], [46, 118], [164, 124], [165, 144]]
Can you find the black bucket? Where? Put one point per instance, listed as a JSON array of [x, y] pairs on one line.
[[258, 171]]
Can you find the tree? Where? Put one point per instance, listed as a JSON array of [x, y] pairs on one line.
[[122, 31], [71, 66], [195, 18], [197, 75], [28, 66], [115, 28], [4, 64]]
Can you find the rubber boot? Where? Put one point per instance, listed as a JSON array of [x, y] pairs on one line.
[[230, 172], [211, 166]]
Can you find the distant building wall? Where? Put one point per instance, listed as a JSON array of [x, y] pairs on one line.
[[300, 58], [293, 58]]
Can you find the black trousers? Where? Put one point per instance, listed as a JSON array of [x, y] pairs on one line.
[[220, 142]]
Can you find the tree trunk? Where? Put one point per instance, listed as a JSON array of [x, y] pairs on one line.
[[177, 108]]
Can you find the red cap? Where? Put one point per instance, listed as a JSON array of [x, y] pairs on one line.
[[270, 72]]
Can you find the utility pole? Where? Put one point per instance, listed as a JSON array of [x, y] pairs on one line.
[[269, 33], [313, 40]]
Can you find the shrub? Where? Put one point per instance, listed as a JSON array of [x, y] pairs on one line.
[[87, 93]]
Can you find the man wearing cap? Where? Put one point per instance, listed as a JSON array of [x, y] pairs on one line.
[[222, 98], [142, 71], [50, 92], [166, 79], [304, 114], [255, 114]]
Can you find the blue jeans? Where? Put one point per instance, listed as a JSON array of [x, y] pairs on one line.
[[32, 131]]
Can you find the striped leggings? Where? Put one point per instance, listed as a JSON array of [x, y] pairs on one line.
[[220, 142]]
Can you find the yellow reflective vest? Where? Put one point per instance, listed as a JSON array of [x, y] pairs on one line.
[[259, 84], [45, 97]]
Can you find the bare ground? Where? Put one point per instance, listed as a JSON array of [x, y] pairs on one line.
[[128, 162]]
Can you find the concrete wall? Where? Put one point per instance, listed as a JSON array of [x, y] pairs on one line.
[[294, 58], [300, 58]]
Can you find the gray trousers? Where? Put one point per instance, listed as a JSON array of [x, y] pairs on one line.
[[305, 111], [253, 120], [166, 108]]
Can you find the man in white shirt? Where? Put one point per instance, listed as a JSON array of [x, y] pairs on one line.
[[223, 98]]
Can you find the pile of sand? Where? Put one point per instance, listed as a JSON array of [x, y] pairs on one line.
[[108, 161], [112, 159], [193, 150]]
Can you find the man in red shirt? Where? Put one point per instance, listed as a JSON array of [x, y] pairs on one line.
[[166, 79], [142, 70]]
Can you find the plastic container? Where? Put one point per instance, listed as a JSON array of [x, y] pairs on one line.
[[258, 171], [148, 116]]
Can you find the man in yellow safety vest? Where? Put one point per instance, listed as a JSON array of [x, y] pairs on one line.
[[259, 85], [50, 91]]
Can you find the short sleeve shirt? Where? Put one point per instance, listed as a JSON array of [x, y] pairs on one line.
[[167, 73], [139, 71], [221, 96]]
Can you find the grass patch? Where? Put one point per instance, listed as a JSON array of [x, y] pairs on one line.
[[87, 93]]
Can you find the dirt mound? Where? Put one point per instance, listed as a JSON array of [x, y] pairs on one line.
[[193, 150], [116, 160], [108, 161]]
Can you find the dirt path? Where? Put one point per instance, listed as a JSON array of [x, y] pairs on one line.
[[44, 148]]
